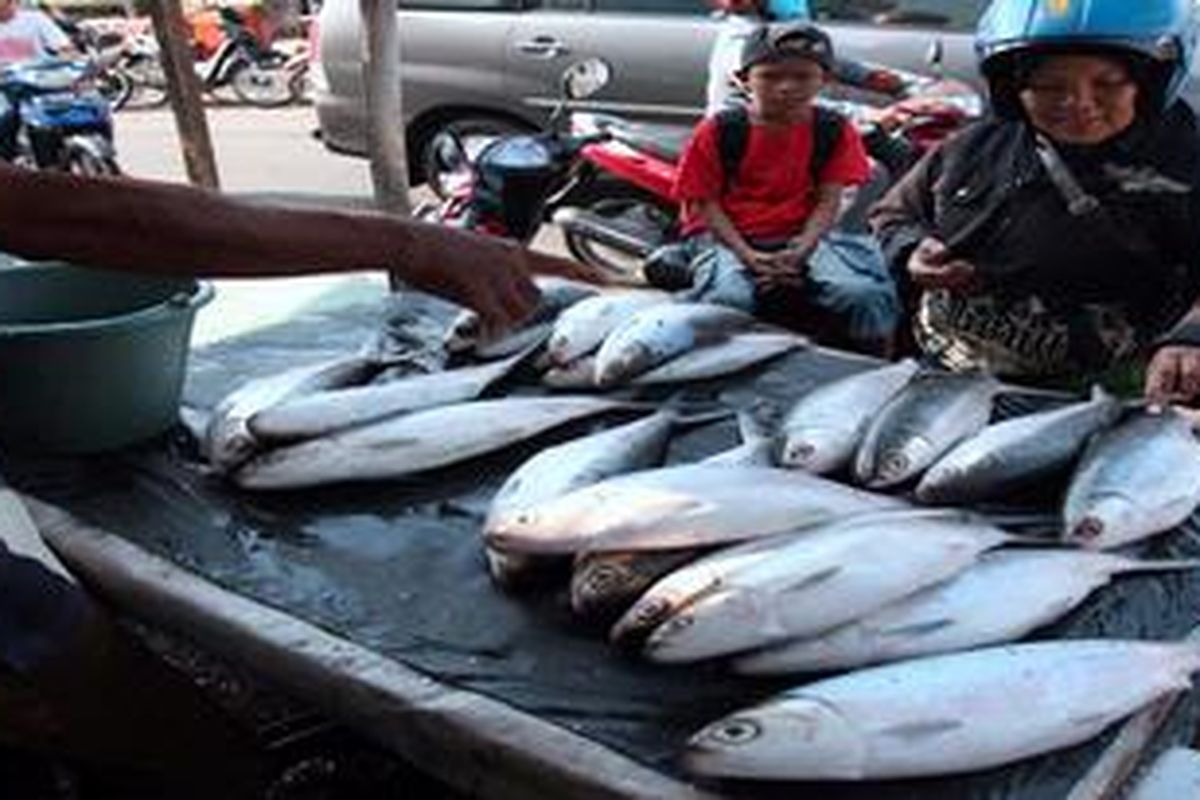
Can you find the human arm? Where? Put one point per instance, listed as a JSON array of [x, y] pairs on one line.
[[167, 229]]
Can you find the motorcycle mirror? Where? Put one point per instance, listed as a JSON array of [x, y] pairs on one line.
[[935, 55], [585, 78]]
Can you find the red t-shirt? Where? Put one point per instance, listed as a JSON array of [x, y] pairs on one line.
[[772, 195]]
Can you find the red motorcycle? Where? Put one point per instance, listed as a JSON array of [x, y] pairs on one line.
[[627, 178]]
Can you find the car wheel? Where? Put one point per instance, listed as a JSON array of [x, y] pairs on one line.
[[473, 133]]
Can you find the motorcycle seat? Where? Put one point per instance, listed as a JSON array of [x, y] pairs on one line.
[[661, 141]]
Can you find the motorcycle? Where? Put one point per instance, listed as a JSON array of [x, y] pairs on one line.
[[509, 187], [53, 117], [631, 170]]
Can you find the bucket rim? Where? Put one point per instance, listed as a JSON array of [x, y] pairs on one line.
[[187, 300]]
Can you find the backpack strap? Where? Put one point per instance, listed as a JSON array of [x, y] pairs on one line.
[[827, 132], [733, 134]]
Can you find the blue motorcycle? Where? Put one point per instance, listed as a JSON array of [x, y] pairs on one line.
[[53, 117]]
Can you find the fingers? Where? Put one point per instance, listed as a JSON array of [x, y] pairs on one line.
[[1173, 375]]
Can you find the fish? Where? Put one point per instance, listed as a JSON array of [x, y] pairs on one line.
[[465, 333], [578, 376], [823, 429], [686, 505], [658, 334], [726, 357], [756, 450], [803, 583], [603, 584], [946, 714], [228, 442], [581, 329], [1135, 480], [557, 470], [932, 412], [1017, 452], [413, 443], [1004, 597], [322, 413]]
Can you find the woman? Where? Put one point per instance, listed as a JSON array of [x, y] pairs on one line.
[[1059, 241]]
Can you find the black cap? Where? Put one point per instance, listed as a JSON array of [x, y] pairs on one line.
[[774, 43]]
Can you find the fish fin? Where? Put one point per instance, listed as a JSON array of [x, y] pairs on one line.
[[919, 628], [924, 729], [808, 581], [750, 428]]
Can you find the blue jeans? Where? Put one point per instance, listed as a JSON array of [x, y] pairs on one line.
[[847, 278]]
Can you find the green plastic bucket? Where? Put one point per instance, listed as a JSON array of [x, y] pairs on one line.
[[90, 359]]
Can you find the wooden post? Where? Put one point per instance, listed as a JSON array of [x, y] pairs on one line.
[[183, 87], [385, 129]]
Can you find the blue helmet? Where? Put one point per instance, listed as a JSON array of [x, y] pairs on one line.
[[1159, 36], [782, 10]]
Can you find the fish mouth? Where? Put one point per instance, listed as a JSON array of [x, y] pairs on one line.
[[1088, 530], [632, 630], [624, 368], [799, 454]]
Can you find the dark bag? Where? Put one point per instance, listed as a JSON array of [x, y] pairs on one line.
[[733, 133]]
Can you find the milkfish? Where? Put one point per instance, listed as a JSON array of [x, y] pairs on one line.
[[580, 462], [943, 714], [413, 443], [465, 333], [580, 330], [606, 583], [802, 584], [658, 334], [725, 357], [932, 412], [322, 413], [690, 505], [1016, 452], [1005, 596], [823, 429], [228, 441], [579, 375], [1133, 481]]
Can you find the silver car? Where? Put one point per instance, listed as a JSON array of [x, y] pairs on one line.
[[484, 67]]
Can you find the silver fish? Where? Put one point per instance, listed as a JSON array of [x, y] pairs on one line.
[[322, 413], [1016, 452], [932, 413], [229, 442], [413, 443], [603, 585], [824, 428], [726, 357], [944, 714], [658, 334], [691, 505], [1005, 596], [802, 584], [1135, 480], [579, 375], [756, 450], [464, 335], [581, 329]]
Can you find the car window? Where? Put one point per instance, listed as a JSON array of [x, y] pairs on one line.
[[690, 7], [948, 14]]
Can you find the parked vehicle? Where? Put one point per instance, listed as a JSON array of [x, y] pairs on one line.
[[512, 185], [55, 118], [626, 210]]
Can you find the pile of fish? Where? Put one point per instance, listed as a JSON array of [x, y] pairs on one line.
[[329, 423], [835, 539], [783, 557]]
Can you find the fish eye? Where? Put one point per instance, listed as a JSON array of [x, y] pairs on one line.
[[894, 463], [602, 577], [738, 730]]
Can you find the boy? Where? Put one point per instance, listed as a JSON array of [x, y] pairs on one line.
[[751, 229]]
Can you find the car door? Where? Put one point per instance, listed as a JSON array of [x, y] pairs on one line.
[[657, 50]]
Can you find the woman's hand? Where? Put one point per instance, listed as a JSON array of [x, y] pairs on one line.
[[931, 266], [1173, 375]]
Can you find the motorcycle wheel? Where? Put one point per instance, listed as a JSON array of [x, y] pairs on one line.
[[638, 213], [115, 87], [85, 161], [264, 87], [148, 83]]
